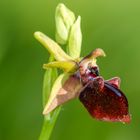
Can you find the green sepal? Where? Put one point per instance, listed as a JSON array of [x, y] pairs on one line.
[[53, 48], [65, 88]]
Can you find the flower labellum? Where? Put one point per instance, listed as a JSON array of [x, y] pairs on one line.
[[102, 98]]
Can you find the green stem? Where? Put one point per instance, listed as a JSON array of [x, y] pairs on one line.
[[50, 119], [48, 125]]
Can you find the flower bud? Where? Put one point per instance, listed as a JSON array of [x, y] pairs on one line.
[[64, 19], [75, 39]]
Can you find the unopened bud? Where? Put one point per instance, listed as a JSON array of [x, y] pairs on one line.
[[64, 19], [75, 39]]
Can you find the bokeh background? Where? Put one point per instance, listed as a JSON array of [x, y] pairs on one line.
[[113, 25]]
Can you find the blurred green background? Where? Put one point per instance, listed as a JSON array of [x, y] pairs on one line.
[[113, 25]]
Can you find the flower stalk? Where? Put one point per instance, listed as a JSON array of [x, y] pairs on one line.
[[56, 89], [80, 77]]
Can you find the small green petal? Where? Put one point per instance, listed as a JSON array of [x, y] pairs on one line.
[[67, 66], [52, 47]]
